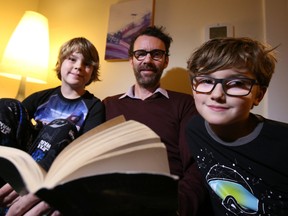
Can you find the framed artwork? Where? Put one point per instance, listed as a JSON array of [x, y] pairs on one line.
[[125, 21]]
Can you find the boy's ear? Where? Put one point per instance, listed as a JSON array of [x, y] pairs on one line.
[[260, 95]]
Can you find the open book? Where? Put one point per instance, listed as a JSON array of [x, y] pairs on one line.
[[119, 166]]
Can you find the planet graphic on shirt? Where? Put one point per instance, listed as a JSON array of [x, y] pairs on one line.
[[234, 191]]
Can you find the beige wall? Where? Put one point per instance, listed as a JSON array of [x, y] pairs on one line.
[[184, 19], [276, 26]]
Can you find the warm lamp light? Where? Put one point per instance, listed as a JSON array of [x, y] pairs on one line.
[[27, 53]]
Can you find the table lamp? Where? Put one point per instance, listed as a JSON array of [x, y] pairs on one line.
[[26, 56]]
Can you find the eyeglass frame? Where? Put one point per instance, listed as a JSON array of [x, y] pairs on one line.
[[163, 53], [223, 82]]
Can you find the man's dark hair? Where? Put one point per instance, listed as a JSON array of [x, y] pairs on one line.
[[153, 31]]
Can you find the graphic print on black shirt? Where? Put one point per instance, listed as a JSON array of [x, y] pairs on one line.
[[235, 192], [56, 108], [240, 192]]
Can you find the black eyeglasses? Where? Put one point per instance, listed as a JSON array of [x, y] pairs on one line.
[[155, 54], [231, 86]]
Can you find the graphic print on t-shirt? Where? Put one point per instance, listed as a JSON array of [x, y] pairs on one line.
[[239, 189], [236, 194], [55, 108]]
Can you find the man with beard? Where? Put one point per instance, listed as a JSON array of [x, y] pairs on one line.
[[166, 112]]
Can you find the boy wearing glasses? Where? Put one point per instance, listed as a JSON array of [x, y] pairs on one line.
[[242, 156], [166, 112]]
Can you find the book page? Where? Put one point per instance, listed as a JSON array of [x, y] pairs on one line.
[[108, 124], [24, 174], [127, 134], [20, 170], [151, 158]]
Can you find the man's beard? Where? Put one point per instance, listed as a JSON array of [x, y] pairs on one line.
[[150, 81]]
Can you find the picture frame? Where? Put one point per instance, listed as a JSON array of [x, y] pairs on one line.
[[126, 19]]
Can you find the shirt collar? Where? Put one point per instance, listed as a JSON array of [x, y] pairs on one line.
[[130, 93]]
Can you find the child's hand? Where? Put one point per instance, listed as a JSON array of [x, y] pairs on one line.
[[31, 205], [7, 195]]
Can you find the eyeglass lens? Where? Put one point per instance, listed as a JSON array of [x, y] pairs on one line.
[[156, 54], [232, 87]]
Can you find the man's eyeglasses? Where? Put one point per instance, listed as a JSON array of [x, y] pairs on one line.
[[155, 54], [231, 86]]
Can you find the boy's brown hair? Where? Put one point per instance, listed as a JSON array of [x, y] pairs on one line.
[[240, 53]]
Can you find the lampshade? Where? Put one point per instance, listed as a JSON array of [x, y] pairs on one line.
[[26, 56]]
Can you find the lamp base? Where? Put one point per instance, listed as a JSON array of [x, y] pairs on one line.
[[21, 91]]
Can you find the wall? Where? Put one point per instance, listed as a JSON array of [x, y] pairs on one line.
[[277, 34], [185, 20]]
